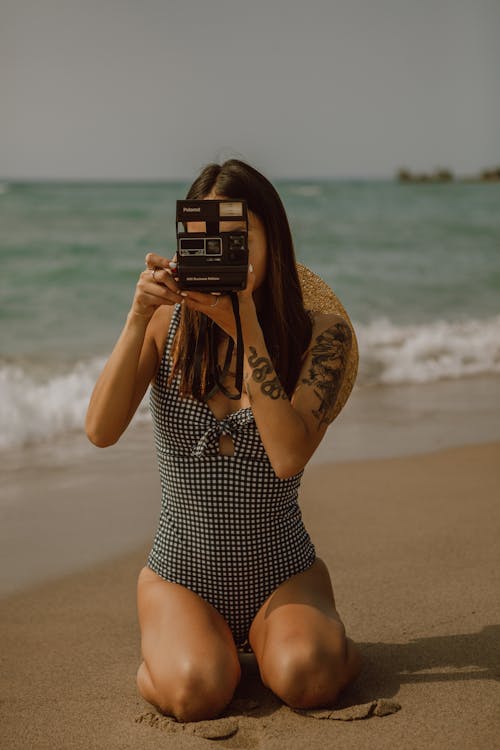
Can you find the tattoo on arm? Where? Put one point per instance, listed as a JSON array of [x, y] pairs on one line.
[[329, 357], [261, 368]]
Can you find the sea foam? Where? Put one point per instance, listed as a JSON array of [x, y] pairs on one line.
[[391, 354], [33, 409]]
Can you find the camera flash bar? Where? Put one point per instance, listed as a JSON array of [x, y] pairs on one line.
[[230, 208], [211, 210]]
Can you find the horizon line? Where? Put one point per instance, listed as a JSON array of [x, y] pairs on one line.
[[394, 176], [189, 178]]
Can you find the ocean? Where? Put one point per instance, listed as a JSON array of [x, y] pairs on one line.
[[417, 268]]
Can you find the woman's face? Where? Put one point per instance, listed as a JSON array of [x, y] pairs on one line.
[[257, 242]]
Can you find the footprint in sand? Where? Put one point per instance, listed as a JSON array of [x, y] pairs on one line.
[[216, 729], [221, 729], [379, 707]]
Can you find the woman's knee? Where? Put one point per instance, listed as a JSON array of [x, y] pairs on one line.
[[194, 689], [305, 673], [203, 693]]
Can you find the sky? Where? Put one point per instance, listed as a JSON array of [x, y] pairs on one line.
[[155, 89]]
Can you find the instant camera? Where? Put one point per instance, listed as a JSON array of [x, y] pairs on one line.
[[214, 260]]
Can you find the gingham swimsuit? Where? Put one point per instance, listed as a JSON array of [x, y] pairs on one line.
[[229, 529]]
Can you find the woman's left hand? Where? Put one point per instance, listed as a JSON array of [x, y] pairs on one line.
[[218, 307]]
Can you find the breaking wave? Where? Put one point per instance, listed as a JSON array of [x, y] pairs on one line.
[[34, 408]]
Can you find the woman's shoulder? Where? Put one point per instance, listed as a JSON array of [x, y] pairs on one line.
[[324, 321]]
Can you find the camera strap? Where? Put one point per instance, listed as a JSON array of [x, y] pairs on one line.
[[218, 373]]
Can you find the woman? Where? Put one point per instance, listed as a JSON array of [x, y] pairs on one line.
[[231, 561]]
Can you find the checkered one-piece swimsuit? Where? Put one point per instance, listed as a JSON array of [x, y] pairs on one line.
[[229, 529]]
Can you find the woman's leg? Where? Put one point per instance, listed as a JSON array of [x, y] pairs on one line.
[[300, 644], [191, 666]]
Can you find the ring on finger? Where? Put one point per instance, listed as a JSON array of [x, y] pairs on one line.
[[153, 271]]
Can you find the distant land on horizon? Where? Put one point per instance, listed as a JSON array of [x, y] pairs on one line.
[[443, 174], [402, 174]]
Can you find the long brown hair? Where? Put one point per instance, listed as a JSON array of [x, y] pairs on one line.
[[285, 323]]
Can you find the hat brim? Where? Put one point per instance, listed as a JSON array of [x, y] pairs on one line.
[[319, 297]]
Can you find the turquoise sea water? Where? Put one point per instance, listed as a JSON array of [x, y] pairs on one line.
[[416, 266]]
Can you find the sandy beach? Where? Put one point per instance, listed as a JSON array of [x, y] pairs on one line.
[[411, 542]]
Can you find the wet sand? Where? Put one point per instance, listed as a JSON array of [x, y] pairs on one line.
[[70, 504]]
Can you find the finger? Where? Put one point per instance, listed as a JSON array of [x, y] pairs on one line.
[[159, 278], [159, 275], [200, 298], [163, 291], [154, 284], [153, 259], [247, 291], [147, 299], [250, 275], [152, 300]]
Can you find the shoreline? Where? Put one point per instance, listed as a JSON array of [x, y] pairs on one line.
[[68, 504], [413, 418]]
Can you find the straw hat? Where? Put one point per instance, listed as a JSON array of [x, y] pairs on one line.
[[320, 298]]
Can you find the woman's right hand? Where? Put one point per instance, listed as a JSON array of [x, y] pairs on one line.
[[151, 292]]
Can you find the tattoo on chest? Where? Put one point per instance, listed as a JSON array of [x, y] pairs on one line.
[[329, 355], [262, 368]]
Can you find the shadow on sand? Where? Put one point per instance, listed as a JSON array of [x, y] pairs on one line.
[[387, 666]]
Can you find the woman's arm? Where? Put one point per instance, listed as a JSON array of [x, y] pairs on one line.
[[291, 430], [122, 383], [134, 360]]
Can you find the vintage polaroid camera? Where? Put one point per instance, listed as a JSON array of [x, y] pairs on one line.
[[214, 260]]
